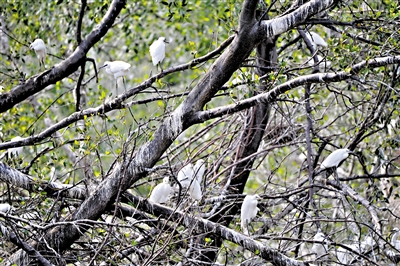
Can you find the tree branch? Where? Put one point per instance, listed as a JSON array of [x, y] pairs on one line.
[[66, 67]]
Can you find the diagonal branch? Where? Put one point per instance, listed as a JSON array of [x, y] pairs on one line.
[[66, 67], [207, 226]]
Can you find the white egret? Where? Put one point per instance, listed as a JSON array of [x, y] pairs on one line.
[[195, 190], [345, 256], [161, 192], [248, 211], [157, 51], [117, 69], [40, 50], [316, 40], [334, 159], [15, 151], [199, 169], [5, 207], [185, 175], [190, 177], [320, 250]]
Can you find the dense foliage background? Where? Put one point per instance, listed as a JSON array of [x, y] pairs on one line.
[[74, 152]]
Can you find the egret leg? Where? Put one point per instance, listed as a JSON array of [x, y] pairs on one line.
[[336, 175], [123, 81]]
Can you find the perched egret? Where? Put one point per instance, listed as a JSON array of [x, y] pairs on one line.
[[5, 207], [185, 175], [40, 50], [319, 249], [157, 51], [334, 159], [190, 177], [345, 256], [316, 40], [199, 169], [248, 211], [195, 190], [15, 151], [117, 69], [395, 243], [161, 192]]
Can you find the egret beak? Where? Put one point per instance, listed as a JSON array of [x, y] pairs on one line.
[[165, 41], [103, 66]]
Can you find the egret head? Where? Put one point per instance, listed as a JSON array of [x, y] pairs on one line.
[[106, 64], [162, 39], [38, 44], [166, 179]]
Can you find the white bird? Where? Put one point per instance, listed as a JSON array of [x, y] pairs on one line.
[[117, 69], [319, 249], [40, 50], [190, 177], [185, 175], [15, 151], [316, 40], [5, 207], [161, 192], [157, 51], [199, 169], [335, 158], [248, 211], [345, 256], [195, 190]]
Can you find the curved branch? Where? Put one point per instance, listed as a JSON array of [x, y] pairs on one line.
[[114, 104], [206, 226], [66, 67], [294, 83]]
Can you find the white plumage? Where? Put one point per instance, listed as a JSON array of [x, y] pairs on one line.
[[195, 190], [190, 177], [319, 249], [199, 170], [345, 256], [161, 192], [185, 175], [334, 159], [117, 68], [15, 151], [40, 50], [248, 211], [5, 207], [157, 50], [318, 39]]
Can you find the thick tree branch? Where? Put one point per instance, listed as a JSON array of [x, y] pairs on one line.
[[294, 83], [203, 225], [66, 67], [114, 104]]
